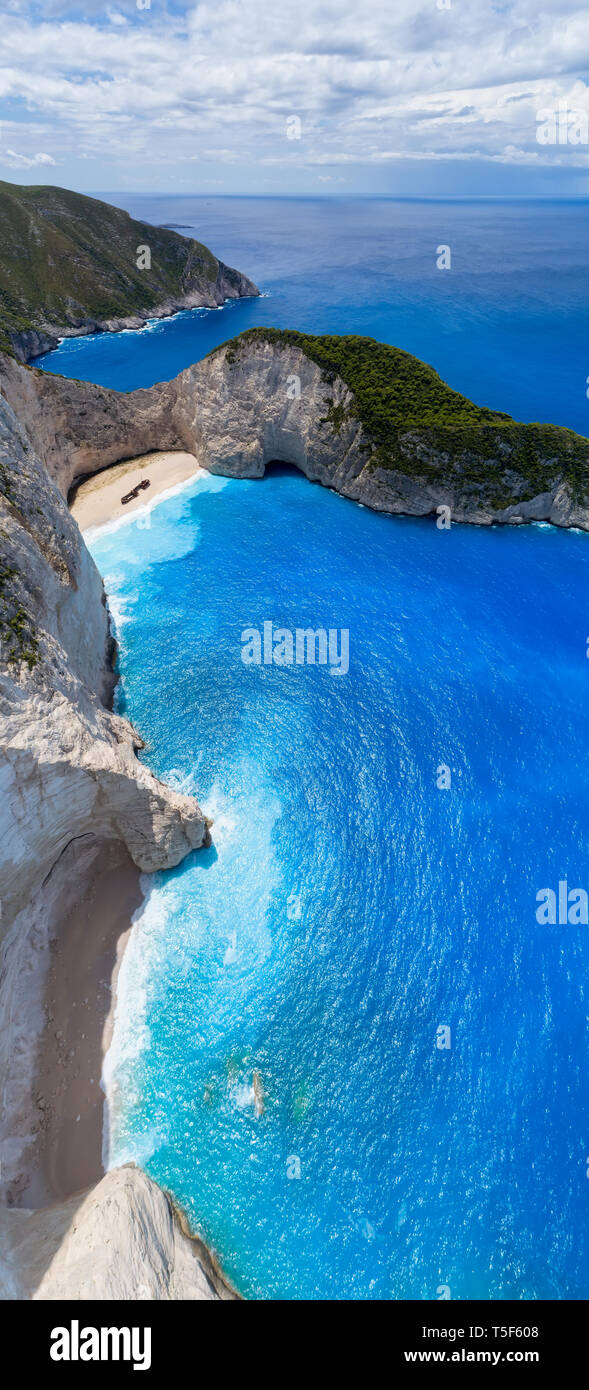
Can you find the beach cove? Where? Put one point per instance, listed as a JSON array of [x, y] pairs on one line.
[[346, 882], [364, 913]]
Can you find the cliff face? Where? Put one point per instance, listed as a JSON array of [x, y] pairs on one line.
[[69, 763], [77, 428], [264, 397], [258, 399], [69, 776], [121, 1240]]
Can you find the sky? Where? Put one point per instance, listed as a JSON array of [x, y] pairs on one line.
[[398, 98]]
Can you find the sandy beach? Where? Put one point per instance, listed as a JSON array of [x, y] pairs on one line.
[[80, 998], [98, 499]]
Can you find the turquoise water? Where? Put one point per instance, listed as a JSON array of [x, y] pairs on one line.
[[276, 1060]]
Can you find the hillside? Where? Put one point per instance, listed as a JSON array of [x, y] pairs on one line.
[[68, 264]]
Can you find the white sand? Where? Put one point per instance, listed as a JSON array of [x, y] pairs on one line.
[[98, 499]]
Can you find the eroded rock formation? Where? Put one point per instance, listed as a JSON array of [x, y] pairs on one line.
[[253, 401], [69, 774]]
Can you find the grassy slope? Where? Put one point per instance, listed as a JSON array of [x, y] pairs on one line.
[[64, 257], [396, 395]]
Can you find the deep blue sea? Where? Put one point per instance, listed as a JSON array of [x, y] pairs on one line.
[[506, 325], [276, 1060]]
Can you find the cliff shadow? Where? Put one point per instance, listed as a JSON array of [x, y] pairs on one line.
[[88, 941]]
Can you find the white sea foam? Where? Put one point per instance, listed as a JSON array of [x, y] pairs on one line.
[[190, 926], [221, 813], [182, 781], [131, 1035], [243, 1095], [119, 604]]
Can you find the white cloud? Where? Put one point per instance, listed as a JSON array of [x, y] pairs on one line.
[[23, 161], [390, 82]]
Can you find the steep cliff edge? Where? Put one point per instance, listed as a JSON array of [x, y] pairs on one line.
[[378, 426], [69, 777], [73, 265], [70, 764], [361, 417], [77, 428], [121, 1240]]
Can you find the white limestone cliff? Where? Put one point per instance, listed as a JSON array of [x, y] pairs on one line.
[[69, 775], [122, 1240], [237, 411], [69, 765], [70, 779]]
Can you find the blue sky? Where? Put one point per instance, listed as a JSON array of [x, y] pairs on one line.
[[390, 97]]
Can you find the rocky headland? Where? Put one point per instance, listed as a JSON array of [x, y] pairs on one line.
[[361, 417], [73, 265], [123, 1239]]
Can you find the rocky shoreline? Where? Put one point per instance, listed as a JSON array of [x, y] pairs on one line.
[[75, 265], [72, 788], [123, 1239], [229, 284]]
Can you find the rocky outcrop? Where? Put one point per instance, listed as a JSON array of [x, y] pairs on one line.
[[69, 763], [30, 343], [122, 1240], [254, 401]]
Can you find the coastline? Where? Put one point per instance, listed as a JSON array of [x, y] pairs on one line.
[[97, 499], [88, 939], [85, 952], [80, 1231], [118, 327], [63, 1172], [32, 343]]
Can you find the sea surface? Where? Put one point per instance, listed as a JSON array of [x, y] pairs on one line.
[[506, 325], [277, 1060]]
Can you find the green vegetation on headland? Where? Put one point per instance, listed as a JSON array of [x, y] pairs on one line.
[[67, 260], [416, 424]]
